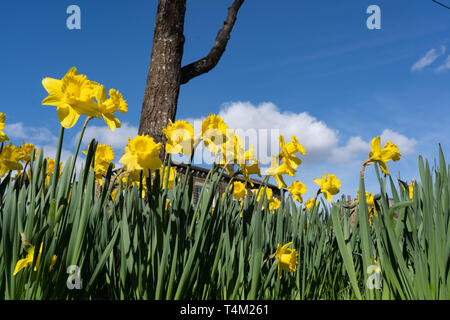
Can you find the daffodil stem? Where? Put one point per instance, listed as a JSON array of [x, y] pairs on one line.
[[56, 166]]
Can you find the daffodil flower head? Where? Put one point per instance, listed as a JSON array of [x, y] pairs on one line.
[[381, 156], [213, 132], [277, 171], [329, 186], [3, 136], [141, 153], [107, 106], [172, 172], [310, 204], [28, 260], [27, 149], [287, 153], [104, 155], [286, 259], [180, 137], [297, 188], [9, 159], [239, 190], [73, 96], [232, 149]]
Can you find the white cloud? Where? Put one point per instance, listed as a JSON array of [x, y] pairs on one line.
[[261, 125], [117, 139], [30, 134], [347, 154], [405, 145], [428, 59], [445, 66], [322, 143]]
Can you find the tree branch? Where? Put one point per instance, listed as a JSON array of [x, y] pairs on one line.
[[207, 63]]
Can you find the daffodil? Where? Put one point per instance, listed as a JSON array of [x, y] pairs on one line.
[[180, 138], [50, 169], [310, 204], [277, 171], [213, 132], [381, 156], [239, 190], [141, 153], [286, 259], [233, 149], [328, 186], [172, 172], [107, 106], [9, 159], [274, 204], [104, 155], [73, 96], [370, 204], [411, 189], [3, 136], [288, 151], [27, 149], [297, 188], [28, 260]]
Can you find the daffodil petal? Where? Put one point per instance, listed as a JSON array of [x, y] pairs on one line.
[[51, 85], [67, 116]]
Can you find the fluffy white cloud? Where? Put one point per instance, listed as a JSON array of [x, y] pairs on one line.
[[262, 124], [428, 59], [117, 139], [405, 145], [30, 134]]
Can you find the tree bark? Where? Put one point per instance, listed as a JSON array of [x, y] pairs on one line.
[[165, 74], [163, 80]]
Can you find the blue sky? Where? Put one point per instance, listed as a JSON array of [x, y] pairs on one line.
[[313, 67]]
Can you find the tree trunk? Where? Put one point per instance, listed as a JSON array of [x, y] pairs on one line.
[[163, 80], [165, 75]]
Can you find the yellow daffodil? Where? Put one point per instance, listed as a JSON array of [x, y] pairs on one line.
[[297, 188], [27, 149], [28, 260], [232, 149], [370, 204], [171, 178], [328, 186], [288, 150], [104, 155], [213, 132], [3, 136], [274, 204], [411, 189], [310, 204], [141, 153], [239, 190], [73, 96], [286, 259], [50, 169], [107, 106], [381, 156], [180, 137], [277, 171], [9, 159], [167, 204]]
